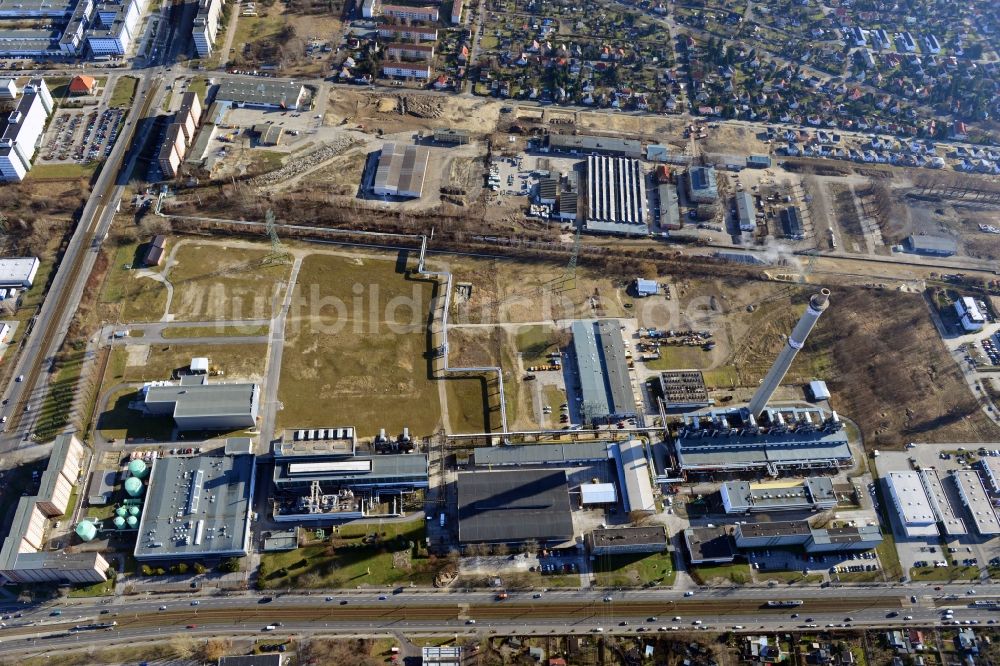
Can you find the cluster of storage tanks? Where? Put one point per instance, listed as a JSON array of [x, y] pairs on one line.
[[126, 517]]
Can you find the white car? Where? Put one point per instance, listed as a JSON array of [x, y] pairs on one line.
[[689, 593]]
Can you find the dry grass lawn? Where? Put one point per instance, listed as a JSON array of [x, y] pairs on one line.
[[356, 351], [215, 282]]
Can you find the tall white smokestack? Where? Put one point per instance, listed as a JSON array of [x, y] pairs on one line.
[[817, 305]]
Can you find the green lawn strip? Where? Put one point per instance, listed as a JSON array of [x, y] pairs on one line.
[[634, 570], [220, 331], [124, 91]]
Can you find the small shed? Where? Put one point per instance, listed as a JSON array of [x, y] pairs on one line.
[[645, 287], [598, 493], [199, 365], [819, 390]]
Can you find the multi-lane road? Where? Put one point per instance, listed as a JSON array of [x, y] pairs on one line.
[[543, 612]]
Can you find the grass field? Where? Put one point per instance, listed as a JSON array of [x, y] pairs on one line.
[[489, 347], [221, 331], [239, 362], [634, 570], [953, 573], [736, 573], [356, 352], [673, 357], [215, 282], [788, 577], [124, 91], [55, 410], [350, 559], [199, 84], [466, 407], [142, 299], [64, 171], [535, 342], [101, 589]]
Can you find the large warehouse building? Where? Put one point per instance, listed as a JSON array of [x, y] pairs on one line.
[[401, 171], [616, 196], [913, 509], [514, 507], [976, 502], [261, 93], [784, 439], [195, 404], [197, 507], [604, 377]]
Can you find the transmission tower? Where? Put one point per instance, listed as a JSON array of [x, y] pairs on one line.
[[573, 257], [278, 253]]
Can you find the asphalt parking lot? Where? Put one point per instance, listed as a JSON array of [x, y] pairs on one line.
[[81, 135]]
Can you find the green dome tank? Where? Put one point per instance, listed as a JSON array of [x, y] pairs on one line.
[[121, 511], [86, 530], [133, 511], [119, 523], [138, 468], [133, 522], [133, 486]]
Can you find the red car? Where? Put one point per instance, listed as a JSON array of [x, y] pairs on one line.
[[192, 626]]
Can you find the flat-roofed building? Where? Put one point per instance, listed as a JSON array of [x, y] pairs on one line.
[[616, 196], [442, 655], [512, 507], [791, 223], [839, 539], [670, 212], [970, 314], [812, 494], [8, 89], [759, 161], [61, 475], [451, 136], [976, 501], [401, 170], [195, 404], [626, 540], [710, 545], [189, 115], [702, 185], [684, 389], [781, 534], [783, 439], [172, 150], [102, 485], [582, 144], [197, 507], [634, 476], [933, 245], [18, 272], [205, 28], [596, 494], [913, 509], [603, 369], [261, 93], [542, 454], [941, 505], [989, 467], [22, 130], [746, 211]]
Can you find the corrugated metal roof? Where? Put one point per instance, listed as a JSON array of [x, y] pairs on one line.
[[598, 493]]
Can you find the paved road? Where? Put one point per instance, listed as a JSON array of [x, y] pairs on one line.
[[561, 612]]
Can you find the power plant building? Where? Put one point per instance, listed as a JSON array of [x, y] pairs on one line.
[[815, 493], [401, 171], [616, 196], [603, 368], [195, 404], [197, 507], [783, 439]]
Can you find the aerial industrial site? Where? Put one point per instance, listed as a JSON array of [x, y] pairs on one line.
[[499, 333]]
